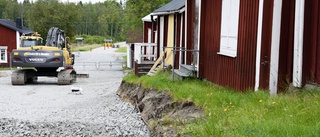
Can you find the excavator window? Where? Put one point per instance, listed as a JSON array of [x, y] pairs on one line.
[[28, 43], [31, 42]]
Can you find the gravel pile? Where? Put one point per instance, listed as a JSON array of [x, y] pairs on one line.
[[47, 109]]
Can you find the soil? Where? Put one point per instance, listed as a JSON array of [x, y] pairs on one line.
[[163, 115]]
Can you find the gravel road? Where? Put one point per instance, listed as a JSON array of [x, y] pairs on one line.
[[47, 109]]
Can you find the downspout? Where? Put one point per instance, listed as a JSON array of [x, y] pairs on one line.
[[186, 31], [199, 38], [175, 43], [181, 38], [144, 27], [152, 30], [298, 43]]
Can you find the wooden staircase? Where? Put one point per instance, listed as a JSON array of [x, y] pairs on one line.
[[159, 64], [143, 68]]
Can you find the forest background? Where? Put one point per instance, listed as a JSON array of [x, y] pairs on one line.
[[109, 19]]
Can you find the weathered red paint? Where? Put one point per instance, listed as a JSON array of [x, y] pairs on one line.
[[7, 38], [239, 72], [286, 45], [311, 51], [190, 35]]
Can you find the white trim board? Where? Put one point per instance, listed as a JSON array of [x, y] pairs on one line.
[[275, 44], [259, 39], [298, 44]]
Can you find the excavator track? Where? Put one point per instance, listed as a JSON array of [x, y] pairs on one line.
[[20, 77], [66, 77]]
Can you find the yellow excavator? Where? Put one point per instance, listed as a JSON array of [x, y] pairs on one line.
[[54, 59]]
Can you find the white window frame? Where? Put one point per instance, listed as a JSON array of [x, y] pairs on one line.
[[229, 27], [5, 53]]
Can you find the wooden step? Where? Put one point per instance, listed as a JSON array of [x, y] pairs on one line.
[[180, 73], [187, 68]]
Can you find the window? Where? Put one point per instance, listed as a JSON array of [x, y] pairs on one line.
[[3, 54], [229, 27]]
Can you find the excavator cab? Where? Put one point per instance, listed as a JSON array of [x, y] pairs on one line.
[[31, 40]]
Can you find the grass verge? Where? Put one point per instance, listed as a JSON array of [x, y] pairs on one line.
[[4, 68], [85, 47], [122, 49], [230, 113]]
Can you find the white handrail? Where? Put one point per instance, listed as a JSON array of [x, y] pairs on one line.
[[145, 50]]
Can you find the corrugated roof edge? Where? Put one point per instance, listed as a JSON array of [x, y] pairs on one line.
[[12, 25], [169, 12], [171, 7]]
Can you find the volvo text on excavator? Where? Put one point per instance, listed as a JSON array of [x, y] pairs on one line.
[[54, 59]]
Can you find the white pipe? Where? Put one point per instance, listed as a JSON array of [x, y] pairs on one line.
[[186, 31], [181, 38], [199, 36]]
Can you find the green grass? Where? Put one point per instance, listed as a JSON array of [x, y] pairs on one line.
[[122, 49], [4, 68], [230, 113], [85, 47]]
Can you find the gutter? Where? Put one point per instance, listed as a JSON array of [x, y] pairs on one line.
[[168, 12]]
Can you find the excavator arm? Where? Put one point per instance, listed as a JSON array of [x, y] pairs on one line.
[[55, 37]]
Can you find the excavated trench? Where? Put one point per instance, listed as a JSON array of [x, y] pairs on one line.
[[163, 115]]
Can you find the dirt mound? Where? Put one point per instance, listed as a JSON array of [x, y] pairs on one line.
[[161, 113]]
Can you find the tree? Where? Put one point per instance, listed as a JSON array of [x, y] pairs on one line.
[[109, 19], [45, 14], [10, 9], [2, 7], [137, 9]]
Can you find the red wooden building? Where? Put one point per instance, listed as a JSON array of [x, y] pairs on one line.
[[149, 29], [245, 44], [163, 32], [170, 31], [10, 33], [256, 44]]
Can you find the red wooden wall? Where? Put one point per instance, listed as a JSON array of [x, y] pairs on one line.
[[311, 45], [7, 38], [286, 45], [239, 72], [190, 35], [153, 28]]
